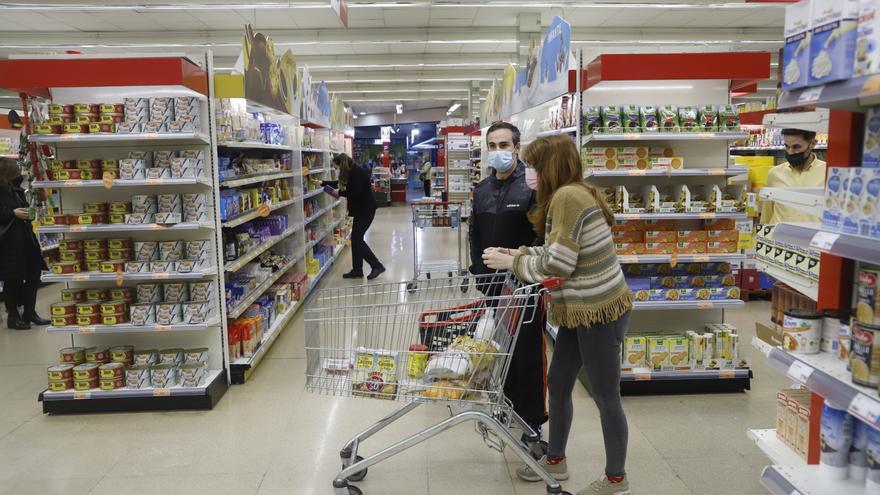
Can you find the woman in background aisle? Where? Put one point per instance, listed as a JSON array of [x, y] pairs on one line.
[[426, 175], [21, 260], [354, 184], [592, 307]]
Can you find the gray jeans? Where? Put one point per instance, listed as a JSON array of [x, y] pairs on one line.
[[597, 348]]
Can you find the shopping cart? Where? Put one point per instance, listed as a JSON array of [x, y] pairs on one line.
[[434, 344], [437, 224]]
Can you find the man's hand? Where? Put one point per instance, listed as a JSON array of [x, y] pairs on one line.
[[21, 213], [498, 258]]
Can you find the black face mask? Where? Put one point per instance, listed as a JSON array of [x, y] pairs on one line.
[[798, 159], [17, 181]]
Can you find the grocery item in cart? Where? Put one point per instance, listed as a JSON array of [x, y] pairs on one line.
[[376, 384]]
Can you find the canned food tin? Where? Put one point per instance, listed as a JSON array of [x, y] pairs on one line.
[[167, 313], [163, 375], [146, 357], [94, 207], [73, 295], [171, 250], [97, 295], [122, 294], [66, 267], [60, 164], [186, 266], [86, 118], [112, 266], [176, 292], [198, 355], [98, 355], [192, 374], [119, 254], [116, 218], [145, 250], [85, 371], [148, 293], [70, 255], [64, 308], [75, 355], [142, 314], [111, 108], [174, 356], [88, 308], [59, 109], [60, 219], [111, 370], [48, 128], [60, 119], [194, 312], [70, 245], [87, 320], [136, 267], [60, 371], [115, 319], [109, 165], [64, 174], [88, 218], [865, 352], [81, 108], [95, 255], [123, 243], [96, 127], [161, 266], [802, 331], [83, 385], [114, 307], [63, 321], [138, 376], [112, 383], [76, 128], [94, 244], [92, 266], [61, 385], [88, 164], [122, 354], [119, 207]]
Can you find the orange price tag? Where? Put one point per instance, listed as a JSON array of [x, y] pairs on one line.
[[72, 182], [149, 135], [628, 259], [673, 260], [162, 328], [707, 215], [154, 181], [35, 225], [161, 392], [726, 374], [82, 394], [637, 173], [80, 277], [161, 276], [263, 210], [642, 377], [717, 171], [348, 242], [632, 136], [120, 278], [706, 135], [701, 259], [157, 226], [108, 180], [86, 329], [631, 216], [705, 305], [76, 228], [305, 171]]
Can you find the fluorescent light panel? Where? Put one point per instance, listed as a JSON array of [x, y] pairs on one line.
[[453, 108]]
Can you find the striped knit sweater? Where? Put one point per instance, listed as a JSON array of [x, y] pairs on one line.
[[578, 248]]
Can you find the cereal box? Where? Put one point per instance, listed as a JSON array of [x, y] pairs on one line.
[[634, 352], [658, 352]]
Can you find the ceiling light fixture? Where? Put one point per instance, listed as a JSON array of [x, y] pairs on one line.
[[453, 108], [363, 113], [399, 108]]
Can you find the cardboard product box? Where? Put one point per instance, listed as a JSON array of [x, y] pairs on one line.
[[719, 224], [659, 247], [678, 351], [673, 162], [660, 200], [691, 236], [661, 151], [833, 43], [599, 152], [722, 235], [658, 352], [632, 163], [628, 236], [836, 197], [661, 236], [630, 247], [721, 247], [628, 225], [690, 247], [690, 200], [659, 225], [796, 51], [852, 216], [730, 199], [638, 152], [634, 352], [629, 202], [871, 148], [868, 205]]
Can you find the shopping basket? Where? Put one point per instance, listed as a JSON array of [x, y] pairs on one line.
[[443, 342]]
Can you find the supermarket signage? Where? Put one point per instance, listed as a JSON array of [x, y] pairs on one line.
[[341, 10], [269, 80]]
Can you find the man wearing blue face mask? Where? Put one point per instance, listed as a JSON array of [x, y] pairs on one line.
[[501, 205]]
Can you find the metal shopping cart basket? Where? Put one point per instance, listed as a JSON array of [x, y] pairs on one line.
[[437, 224], [434, 344]]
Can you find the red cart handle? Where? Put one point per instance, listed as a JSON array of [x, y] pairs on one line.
[[552, 283]]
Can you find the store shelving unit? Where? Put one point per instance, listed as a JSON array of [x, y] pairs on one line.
[[80, 78], [382, 185], [804, 285], [608, 81], [557, 132], [778, 452], [458, 185], [848, 246]]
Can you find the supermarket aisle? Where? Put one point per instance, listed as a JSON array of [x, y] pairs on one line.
[[271, 437]]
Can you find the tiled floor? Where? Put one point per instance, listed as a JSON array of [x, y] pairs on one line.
[[271, 437]]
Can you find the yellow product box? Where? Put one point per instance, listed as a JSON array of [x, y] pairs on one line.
[[634, 352], [658, 352], [692, 236], [641, 152], [661, 152], [673, 162], [781, 409], [600, 162], [802, 445], [632, 162], [599, 152], [660, 200], [678, 351], [660, 236]]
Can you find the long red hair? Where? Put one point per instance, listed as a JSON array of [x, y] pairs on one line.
[[558, 163]]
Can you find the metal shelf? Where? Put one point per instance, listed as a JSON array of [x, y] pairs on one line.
[[826, 375], [128, 328], [679, 305], [64, 184], [252, 214], [667, 136], [557, 132], [316, 171], [312, 194], [324, 234], [260, 289], [644, 375], [121, 140], [809, 200], [237, 264], [763, 347], [844, 245], [123, 227], [807, 480], [255, 179], [315, 150], [625, 259], [123, 393], [800, 283], [778, 452], [50, 247], [853, 95], [678, 216], [770, 148], [269, 337], [668, 172], [816, 121], [112, 277], [318, 215], [254, 145]]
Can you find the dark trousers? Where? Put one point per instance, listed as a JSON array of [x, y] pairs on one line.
[[526, 384], [17, 292], [360, 251], [427, 186]]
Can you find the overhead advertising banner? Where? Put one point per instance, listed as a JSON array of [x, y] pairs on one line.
[[268, 80], [323, 105]]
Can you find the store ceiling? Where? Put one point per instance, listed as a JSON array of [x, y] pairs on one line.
[[422, 53]]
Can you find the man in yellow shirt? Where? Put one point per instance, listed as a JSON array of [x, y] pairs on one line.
[[802, 169]]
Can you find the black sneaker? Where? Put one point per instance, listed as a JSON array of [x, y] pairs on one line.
[[375, 272], [36, 320], [17, 324], [353, 274]]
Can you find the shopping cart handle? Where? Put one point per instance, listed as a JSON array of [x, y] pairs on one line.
[[552, 283]]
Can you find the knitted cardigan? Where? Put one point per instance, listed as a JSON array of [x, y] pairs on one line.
[[578, 248]]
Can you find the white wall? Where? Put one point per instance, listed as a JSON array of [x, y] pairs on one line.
[[407, 117]]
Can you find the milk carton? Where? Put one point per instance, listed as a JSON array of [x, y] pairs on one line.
[[796, 53], [852, 215], [836, 189], [871, 150], [867, 50], [870, 203], [833, 45]]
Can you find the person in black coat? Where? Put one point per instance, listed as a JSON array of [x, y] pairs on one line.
[[21, 260], [502, 202], [355, 185]]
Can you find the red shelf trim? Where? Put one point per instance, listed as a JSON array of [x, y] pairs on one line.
[[754, 118]]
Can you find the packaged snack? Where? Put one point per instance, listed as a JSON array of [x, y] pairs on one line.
[[658, 352], [867, 57], [592, 119], [628, 236], [611, 119], [659, 247], [691, 236], [661, 236], [720, 247], [833, 42], [708, 118], [648, 118], [728, 118], [691, 248], [687, 119], [678, 351], [673, 162], [631, 118], [634, 351], [629, 248], [667, 116]]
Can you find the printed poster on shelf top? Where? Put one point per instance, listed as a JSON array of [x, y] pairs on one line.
[[268, 79]]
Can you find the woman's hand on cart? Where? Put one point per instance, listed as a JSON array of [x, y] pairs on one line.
[[498, 258]]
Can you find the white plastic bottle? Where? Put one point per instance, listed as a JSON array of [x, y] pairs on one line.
[[486, 326]]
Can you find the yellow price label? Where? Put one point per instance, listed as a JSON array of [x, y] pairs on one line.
[[162, 328], [631, 216], [701, 259], [108, 180], [726, 374], [707, 215], [120, 278], [642, 377], [82, 394], [86, 329], [161, 275], [80, 277], [161, 392], [638, 173], [705, 305], [154, 182], [717, 171], [673, 260], [35, 225], [76, 228]]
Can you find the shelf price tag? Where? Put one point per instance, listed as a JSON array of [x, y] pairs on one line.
[[824, 241], [82, 394], [726, 374], [76, 228], [153, 182], [701, 259], [631, 216], [632, 136], [717, 171], [80, 277], [86, 329], [706, 215], [264, 210], [799, 372], [162, 328], [161, 392], [629, 259], [642, 376], [161, 276], [637, 173], [865, 408], [120, 278], [107, 179], [705, 305], [810, 95], [706, 135]]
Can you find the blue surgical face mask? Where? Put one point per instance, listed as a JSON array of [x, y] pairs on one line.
[[502, 161]]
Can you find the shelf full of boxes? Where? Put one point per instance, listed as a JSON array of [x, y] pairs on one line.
[[476, 157], [272, 169], [828, 345], [459, 187], [658, 148], [142, 290]]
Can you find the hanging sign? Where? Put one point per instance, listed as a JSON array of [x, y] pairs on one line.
[[341, 10]]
